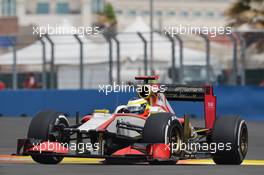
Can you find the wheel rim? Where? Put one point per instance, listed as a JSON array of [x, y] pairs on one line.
[[57, 135], [174, 140], [243, 141]]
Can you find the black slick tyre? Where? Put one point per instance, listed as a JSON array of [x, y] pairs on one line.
[[231, 130], [163, 128], [44, 126]]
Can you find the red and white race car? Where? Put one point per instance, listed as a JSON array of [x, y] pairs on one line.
[[145, 130]]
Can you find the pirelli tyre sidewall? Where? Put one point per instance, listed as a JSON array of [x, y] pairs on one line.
[[230, 130], [162, 128], [41, 127]]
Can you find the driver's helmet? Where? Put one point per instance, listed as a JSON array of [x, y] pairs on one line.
[[137, 106]]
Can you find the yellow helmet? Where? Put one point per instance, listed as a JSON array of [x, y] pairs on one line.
[[137, 106]]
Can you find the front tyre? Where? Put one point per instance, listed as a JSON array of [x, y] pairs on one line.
[[164, 128], [230, 130], [46, 126]]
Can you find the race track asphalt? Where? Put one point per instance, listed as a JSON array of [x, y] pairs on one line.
[[16, 127]]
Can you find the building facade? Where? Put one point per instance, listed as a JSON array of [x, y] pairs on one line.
[[173, 12], [43, 12], [83, 12]]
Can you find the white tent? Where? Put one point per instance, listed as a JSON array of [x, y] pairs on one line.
[[96, 56], [66, 54], [132, 52], [131, 46], [67, 50]]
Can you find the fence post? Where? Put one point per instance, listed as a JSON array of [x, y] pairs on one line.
[[145, 52], [207, 45], [243, 57], [52, 69], [14, 66], [234, 74], [81, 78], [44, 70], [181, 70], [118, 58], [172, 56], [108, 39]]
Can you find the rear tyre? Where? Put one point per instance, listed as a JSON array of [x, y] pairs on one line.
[[46, 126], [164, 128], [233, 131]]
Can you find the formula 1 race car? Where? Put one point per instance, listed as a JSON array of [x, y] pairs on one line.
[[145, 130]]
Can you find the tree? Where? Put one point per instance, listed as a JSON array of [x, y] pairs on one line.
[[109, 12], [249, 13], [107, 19]]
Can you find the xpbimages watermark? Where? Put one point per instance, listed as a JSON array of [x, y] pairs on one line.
[[130, 88], [80, 147], [62, 30], [196, 30], [198, 147]]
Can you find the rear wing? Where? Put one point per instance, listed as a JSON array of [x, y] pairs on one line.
[[172, 92], [187, 93], [203, 94], [147, 79]]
